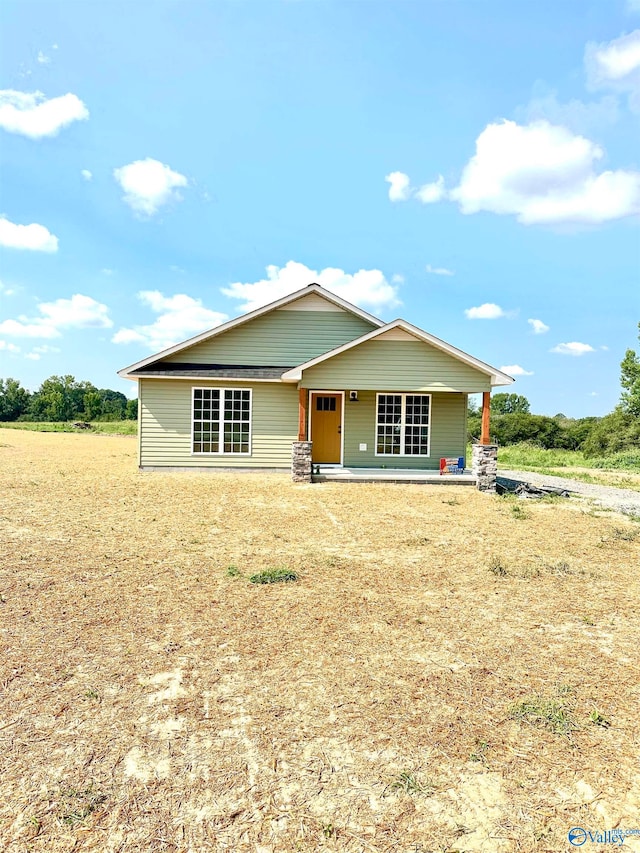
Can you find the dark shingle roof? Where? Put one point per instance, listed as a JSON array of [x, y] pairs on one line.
[[211, 371]]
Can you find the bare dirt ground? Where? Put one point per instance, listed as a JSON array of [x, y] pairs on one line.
[[451, 672]]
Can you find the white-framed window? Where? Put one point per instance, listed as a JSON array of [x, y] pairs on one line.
[[221, 421], [403, 424]]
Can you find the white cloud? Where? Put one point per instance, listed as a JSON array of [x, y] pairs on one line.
[[438, 270], [23, 327], [487, 311], [572, 348], [604, 347], [6, 346], [149, 184], [397, 278], [43, 59], [615, 65], [44, 348], [539, 328], [31, 114], [400, 186], [180, 317], [515, 370], [6, 291], [86, 174], [79, 312], [37, 352], [578, 116], [544, 174], [35, 237], [430, 193], [401, 190], [593, 394], [365, 287]]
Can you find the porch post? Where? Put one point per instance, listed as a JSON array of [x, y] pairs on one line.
[[486, 415], [485, 455], [303, 398], [301, 449]]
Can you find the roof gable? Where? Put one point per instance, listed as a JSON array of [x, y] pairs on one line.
[[402, 330], [310, 298]]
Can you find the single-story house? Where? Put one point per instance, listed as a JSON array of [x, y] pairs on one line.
[[313, 372]]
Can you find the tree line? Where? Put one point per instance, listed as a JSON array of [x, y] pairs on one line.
[[617, 432], [63, 398]]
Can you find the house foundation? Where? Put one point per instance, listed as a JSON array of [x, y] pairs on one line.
[[301, 461], [484, 466]]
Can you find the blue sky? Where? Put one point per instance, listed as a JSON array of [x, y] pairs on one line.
[[472, 167]]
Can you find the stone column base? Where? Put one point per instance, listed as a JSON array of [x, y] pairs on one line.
[[484, 466], [301, 461]]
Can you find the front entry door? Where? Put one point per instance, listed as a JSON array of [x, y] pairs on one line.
[[326, 428]]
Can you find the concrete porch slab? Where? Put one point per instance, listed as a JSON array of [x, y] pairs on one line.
[[392, 475]]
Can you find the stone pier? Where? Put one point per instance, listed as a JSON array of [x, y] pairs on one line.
[[301, 461], [484, 466]]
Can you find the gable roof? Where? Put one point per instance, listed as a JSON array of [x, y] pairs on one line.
[[497, 376], [126, 372]]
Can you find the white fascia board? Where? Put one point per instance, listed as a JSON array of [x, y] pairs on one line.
[[497, 377], [245, 318]]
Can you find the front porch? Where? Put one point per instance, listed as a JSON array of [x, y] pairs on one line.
[[391, 475]]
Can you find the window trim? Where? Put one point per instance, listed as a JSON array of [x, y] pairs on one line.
[[403, 395], [221, 389]]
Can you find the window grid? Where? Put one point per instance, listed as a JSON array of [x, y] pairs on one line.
[[402, 426], [221, 421], [325, 404]]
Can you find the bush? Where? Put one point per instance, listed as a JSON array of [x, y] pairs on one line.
[[613, 434]]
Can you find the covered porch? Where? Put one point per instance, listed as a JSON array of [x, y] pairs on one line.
[[433, 468]]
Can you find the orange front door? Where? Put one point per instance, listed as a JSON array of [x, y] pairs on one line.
[[326, 426]]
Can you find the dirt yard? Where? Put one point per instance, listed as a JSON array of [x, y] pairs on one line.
[[450, 672]]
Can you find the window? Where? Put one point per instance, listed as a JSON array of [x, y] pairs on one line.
[[325, 404], [402, 427], [221, 420]]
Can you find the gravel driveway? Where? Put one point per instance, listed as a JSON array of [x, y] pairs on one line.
[[626, 501]]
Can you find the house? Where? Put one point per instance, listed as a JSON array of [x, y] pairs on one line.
[[313, 373]]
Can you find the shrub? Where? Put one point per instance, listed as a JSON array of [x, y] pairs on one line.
[[274, 576]]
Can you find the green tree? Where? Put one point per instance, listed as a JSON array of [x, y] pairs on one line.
[[59, 398], [92, 405], [114, 405], [131, 413], [509, 404], [630, 381], [14, 399]]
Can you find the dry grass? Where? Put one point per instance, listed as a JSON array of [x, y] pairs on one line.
[[399, 696]]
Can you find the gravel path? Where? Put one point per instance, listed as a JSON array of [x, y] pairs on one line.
[[626, 501]]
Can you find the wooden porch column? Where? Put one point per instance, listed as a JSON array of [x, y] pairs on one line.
[[303, 403], [486, 410]]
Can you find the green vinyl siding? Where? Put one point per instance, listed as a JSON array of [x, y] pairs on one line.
[[447, 425], [284, 338], [165, 425], [399, 365]]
